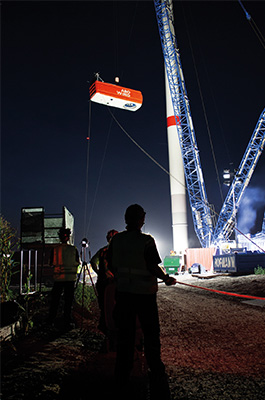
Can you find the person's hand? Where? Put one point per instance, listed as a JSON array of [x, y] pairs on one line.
[[169, 281]]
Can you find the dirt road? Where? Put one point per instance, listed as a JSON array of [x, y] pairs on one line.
[[213, 347]]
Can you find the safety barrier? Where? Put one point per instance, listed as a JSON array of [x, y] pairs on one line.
[[25, 287], [222, 292]]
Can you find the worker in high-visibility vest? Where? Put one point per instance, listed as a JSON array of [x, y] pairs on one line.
[[65, 261], [134, 260]]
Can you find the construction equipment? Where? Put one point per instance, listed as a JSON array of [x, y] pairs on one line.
[[226, 220], [202, 211]]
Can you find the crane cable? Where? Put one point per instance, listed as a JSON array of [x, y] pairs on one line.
[[127, 47], [86, 229], [116, 33], [169, 174], [149, 156], [87, 166], [253, 26], [116, 37], [204, 109]]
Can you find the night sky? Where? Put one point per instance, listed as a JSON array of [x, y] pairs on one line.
[[50, 50]]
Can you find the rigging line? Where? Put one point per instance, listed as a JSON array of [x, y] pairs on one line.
[[249, 239], [129, 39], [133, 23], [215, 105], [168, 173], [145, 152], [116, 36], [87, 165], [151, 158], [99, 177], [257, 32], [253, 26], [204, 109]]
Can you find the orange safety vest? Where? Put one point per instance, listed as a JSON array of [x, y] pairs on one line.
[[65, 262]]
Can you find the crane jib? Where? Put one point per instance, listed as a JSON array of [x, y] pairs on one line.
[[201, 210]]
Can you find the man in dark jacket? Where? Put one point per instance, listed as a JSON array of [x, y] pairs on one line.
[[133, 258], [100, 266]]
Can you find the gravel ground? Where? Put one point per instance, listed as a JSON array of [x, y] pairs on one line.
[[212, 345]]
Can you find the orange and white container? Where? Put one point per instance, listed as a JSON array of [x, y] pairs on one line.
[[115, 96]]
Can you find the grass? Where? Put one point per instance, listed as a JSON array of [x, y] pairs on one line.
[[259, 270], [89, 295]]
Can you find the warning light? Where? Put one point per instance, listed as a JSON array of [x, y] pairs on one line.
[[88, 137]]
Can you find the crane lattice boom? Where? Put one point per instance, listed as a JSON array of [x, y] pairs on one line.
[[226, 220], [201, 210]]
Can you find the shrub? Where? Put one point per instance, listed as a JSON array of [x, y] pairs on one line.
[[8, 244], [86, 297], [259, 270]]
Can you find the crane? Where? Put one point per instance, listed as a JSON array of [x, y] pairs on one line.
[[202, 212], [226, 220]]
